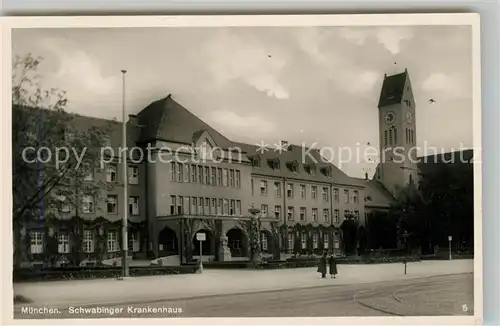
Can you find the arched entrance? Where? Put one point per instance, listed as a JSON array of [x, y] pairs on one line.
[[237, 243], [206, 245], [167, 243]]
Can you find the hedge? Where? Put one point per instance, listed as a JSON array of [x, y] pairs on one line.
[[74, 273]]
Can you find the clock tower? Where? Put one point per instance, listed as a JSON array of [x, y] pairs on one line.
[[397, 134]]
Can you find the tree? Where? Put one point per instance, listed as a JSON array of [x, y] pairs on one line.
[[381, 230], [350, 234], [189, 226], [213, 226], [52, 155]]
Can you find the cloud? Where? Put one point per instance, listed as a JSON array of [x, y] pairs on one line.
[[233, 58], [448, 85], [391, 37], [354, 35], [240, 125]]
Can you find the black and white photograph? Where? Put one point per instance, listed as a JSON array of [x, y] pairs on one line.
[[239, 167]]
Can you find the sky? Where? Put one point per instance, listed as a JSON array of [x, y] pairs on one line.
[[312, 85]]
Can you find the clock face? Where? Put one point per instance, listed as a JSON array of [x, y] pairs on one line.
[[409, 117], [390, 117]]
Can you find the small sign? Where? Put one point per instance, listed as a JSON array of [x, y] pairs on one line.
[[449, 238], [201, 236], [160, 246]]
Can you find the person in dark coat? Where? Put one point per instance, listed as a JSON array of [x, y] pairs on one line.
[[333, 266], [322, 266]]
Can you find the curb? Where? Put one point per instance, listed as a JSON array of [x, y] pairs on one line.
[[191, 297]]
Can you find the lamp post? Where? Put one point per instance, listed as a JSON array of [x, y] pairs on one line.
[[405, 237], [449, 246], [125, 269]]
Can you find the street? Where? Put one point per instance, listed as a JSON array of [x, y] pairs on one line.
[[431, 296]]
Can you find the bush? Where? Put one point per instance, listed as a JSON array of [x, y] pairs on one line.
[[96, 272]]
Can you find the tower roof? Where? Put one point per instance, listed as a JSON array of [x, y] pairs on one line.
[[392, 89]]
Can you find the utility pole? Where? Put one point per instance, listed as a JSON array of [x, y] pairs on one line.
[[125, 269]]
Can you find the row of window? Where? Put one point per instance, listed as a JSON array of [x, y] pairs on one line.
[[64, 247], [410, 137], [88, 205], [314, 213], [112, 175], [207, 175], [303, 239], [303, 192], [180, 205], [391, 136]]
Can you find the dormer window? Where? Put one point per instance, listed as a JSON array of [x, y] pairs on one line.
[[292, 166], [206, 150], [255, 160], [309, 169], [327, 172], [273, 164]]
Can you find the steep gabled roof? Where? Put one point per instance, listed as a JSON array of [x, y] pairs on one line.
[[392, 89], [169, 121], [376, 195]]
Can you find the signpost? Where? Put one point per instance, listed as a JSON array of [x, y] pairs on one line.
[[449, 245], [405, 238], [201, 237]]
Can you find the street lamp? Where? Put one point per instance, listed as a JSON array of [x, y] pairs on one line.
[[405, 236], [449, 246], [125, 269]]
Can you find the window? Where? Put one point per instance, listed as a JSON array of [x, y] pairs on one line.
[[133, 205], [303, 239], [277, 211], [133, 242], [407, 136], [290, 241], [346, 195], [238, 207], [207, 206], [133, 175], [194, 208], [325, 193], [289, 190], [302, 213], [63, 246], [390, 136], [238, 179], [112, 204], [205, 150], [337, 216], [395, 136], [90, 172], [315, 214], [325, 215], [193, 173], [111, 173], [214, 176], [290, 214], [277, 189], [186, 173], [172, 205], [347, 213], [226, 206], [232, 207], [336, 195], [314, 192], [173, 171], [207, 175], [355, 196], [88, 241], [112, 241], [225, 177], [231, 178], [88, 204], [251, 186], [302, 191], [385, 138], [219, 176], [200, 174], [263, 241], [219, 207], [213, 206], [356, 215], [325, 240], [263, 187], [36, 242], [315, 241], [200, 206], [180, 205], [263, 210], [336, 244], [187, 205]]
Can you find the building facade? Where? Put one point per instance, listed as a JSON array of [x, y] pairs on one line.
[[184, 177]]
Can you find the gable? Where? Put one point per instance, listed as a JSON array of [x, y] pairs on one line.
[[392, 89]]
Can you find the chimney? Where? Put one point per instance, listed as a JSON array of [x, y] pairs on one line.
[[366, 175], [132, 119], [284, 144]]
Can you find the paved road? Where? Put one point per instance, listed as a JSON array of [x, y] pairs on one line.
[[439, 295]]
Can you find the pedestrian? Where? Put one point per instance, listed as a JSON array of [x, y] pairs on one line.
[[332, 262], [322, 265]]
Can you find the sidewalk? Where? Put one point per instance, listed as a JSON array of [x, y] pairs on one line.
[[219, 282]]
